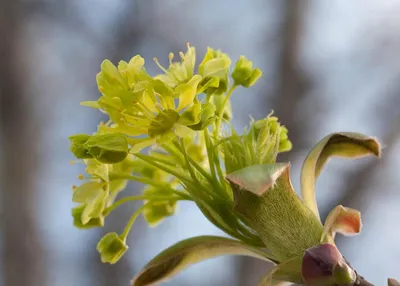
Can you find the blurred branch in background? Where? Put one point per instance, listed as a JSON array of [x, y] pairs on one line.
[[291, 90], [293, 84], [23, 257]]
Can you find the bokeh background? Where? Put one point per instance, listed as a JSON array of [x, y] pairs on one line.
[[328, 66]]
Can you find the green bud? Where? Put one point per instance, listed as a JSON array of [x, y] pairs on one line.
[[77, 147], [343, 273], [108, 148], [77, 219], [243, 74], [111, 248]]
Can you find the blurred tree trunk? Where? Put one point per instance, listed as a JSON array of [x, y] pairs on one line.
[[22, 260], [291, 89]]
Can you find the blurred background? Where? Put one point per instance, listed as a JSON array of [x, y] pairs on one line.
[[328, 66]]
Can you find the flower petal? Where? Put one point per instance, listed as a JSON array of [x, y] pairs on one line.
[[343, 220], [346, 144], [190, 251], [263, 194], [289, 271]]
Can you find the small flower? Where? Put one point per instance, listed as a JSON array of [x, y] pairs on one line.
[[77, 218], [244, 74], [111, 248], [158, 210], [93, 196], [214, 69]]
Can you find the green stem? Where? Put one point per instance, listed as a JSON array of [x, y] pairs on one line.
[[181, 146], [210, 154], [221, 110], [131, 221], [195, 164], [140, 198], [152, 162]]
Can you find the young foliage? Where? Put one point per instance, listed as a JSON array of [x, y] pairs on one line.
[[172, 133]]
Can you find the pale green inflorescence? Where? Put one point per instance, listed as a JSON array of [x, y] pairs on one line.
[[165, 131], [172, 133]]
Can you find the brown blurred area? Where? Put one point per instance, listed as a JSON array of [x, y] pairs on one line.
[[328, 66]]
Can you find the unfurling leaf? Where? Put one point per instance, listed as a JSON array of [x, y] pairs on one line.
[[190, 251], [343, 220], [264, 195], [108, 148], [345, 144], [111, 248]]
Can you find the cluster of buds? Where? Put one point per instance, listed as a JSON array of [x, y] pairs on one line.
[[167, 132]]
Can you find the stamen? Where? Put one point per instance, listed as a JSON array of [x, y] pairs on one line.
[[171, 57], [182, 55], [160, 66], [74, 187], [81, 177]]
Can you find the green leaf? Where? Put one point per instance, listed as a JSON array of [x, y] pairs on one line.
[[108, 148], [77, 219], [163, 122], [77, 147], [288, 271], [345, 144], [190, 251], [111, 248], [264, 195]]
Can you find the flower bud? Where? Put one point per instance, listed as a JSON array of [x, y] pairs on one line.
[[244, 74], [108, 148], [77, 147], [111, 248], [325, 265], [77, 219]]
